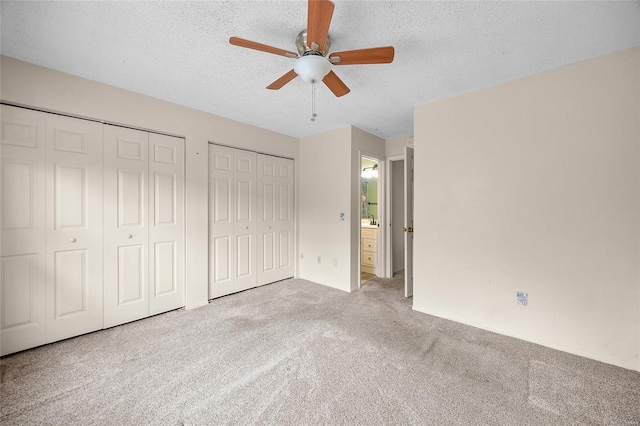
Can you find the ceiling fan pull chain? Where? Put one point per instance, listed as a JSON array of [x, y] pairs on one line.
[[313, 102]]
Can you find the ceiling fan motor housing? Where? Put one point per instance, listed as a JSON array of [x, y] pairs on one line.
[[304, 50]]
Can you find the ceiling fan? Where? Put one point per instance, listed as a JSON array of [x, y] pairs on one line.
[[313, 44]]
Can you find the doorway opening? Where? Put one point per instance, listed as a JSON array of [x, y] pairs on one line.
[[370, 212], [399, 211], [396, 217]]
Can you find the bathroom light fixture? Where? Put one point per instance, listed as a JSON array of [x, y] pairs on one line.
[[369, 172]]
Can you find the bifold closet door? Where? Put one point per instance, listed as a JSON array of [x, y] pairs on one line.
[[143, 224], [126, 227], [166, 231], [22, 229], [275, 218], [232, 211], [74, 294]]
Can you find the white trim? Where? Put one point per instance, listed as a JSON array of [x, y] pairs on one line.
[[388, 248]]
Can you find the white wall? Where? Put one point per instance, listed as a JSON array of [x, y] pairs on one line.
[[534, 185], [30, 85], [397, 214], [324, 177], [395, 146]]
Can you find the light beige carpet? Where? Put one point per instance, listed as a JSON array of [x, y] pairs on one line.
[[295, 353]]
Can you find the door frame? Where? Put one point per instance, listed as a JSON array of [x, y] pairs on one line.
[[381, 267], [388, 248]]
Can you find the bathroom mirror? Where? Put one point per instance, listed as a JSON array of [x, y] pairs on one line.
[[369, 189]]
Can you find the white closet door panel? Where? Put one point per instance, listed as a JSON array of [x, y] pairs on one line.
[[269, 250], [166, 224], [221, 219], [22, 302], [286, 218], [285, 255], [267, 227], [244, 175], [22, 229], [275, 218], [74, 292], [22, 180], [126, 225]]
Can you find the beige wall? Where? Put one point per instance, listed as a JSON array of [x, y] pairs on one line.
[[30, 85], [534, 185], [329, 182], [323, 173], [395, 145]]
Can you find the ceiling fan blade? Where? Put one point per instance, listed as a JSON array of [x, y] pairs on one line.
[[318, 21], [336, 85], [261, 47], [375, 55], [282, 80]]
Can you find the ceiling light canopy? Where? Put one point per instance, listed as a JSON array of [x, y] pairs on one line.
[[312, 68]]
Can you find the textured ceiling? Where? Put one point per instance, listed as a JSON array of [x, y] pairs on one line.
[[179, 52]]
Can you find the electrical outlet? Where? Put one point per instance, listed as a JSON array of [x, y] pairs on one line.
[[301, 256], [335, 262], [319, 260], [523, 298]]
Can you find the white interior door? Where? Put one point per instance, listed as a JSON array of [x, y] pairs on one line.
[[22, 229], [126, 229], [408, 222], [275, 218], [244, 226], [74, 293], [221, 214], [232, 220], [166, 224]]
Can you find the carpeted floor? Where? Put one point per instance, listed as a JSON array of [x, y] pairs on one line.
[[296, 353]]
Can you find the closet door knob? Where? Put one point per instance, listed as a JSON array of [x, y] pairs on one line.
[[73, 240], [129, 236], [246, 227], [269, 226]]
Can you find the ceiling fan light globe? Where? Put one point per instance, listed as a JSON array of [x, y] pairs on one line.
[[312, 68]]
